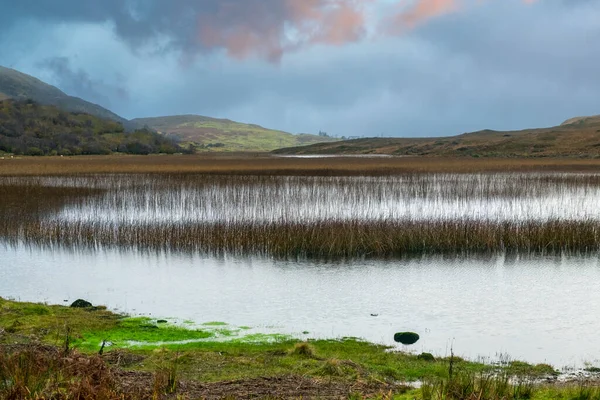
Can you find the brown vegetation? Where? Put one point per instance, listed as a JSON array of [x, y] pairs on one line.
[[325, 240], [265, 164]]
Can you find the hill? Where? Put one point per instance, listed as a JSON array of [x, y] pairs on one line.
[[577, 137], [203, 132], [582, 121], [226, 135], [29, 128], [19, 86]]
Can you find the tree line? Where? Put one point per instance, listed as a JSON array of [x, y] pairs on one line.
[[29, 128]]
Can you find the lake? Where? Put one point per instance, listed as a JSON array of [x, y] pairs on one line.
[[535, 307]]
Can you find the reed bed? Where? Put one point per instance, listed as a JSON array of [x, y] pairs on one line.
[[307, 216], [327, 239]]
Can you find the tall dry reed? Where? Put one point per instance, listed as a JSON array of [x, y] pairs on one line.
[[307, 217]]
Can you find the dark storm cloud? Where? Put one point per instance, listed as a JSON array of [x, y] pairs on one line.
[[79, 83], [264, 27]]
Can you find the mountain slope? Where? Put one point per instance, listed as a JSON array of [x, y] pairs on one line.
[[577, 137], [29, 128], [226, 135], [20, 86]]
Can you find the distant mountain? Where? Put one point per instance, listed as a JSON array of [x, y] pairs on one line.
[[20, 86], [226, 135], [576, 137], [29, 128]]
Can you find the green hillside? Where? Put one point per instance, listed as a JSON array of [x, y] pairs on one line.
[[20, 86], [29, 128], [212, 134], [576, 137]]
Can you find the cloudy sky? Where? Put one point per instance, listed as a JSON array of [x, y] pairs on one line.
[[349, 67]]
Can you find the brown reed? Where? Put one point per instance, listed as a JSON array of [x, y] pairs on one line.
[[29, 207]]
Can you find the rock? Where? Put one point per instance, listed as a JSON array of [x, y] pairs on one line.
[[426, 357], [406, 337], [80, 303]]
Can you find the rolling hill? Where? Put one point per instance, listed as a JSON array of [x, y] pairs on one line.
[[226, 135], [19, 86], [576, 137], [582, 121]]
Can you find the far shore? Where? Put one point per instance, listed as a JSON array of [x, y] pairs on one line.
[[271, 164]]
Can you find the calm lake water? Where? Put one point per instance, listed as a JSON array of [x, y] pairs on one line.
[[538, 310]]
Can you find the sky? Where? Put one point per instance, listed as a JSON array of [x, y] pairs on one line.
[[405, 68]]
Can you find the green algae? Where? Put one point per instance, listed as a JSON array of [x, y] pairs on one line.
[[215, 323], [138, 332]]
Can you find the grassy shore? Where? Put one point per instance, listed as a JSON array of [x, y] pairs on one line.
[[267, 164], [52, 352]]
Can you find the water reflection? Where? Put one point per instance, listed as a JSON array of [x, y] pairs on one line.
[[239, 199]]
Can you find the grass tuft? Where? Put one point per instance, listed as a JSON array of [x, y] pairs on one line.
[[303, 349]]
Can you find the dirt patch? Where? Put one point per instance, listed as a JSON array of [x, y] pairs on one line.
[[279, 387], [285, 387], [122, 358]]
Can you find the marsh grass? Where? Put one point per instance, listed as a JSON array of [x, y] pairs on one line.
[[478, 386], [303, 349], [38, 372], [307, 217]]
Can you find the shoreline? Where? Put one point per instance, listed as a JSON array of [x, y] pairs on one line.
[[82, 331]]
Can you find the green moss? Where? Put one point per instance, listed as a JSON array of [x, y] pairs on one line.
[[139, 332]]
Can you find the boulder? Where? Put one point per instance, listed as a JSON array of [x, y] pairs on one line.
[[80, 303], [406, 337]]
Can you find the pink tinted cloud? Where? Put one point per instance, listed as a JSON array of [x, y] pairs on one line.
[[270, 28], [421, 11]]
